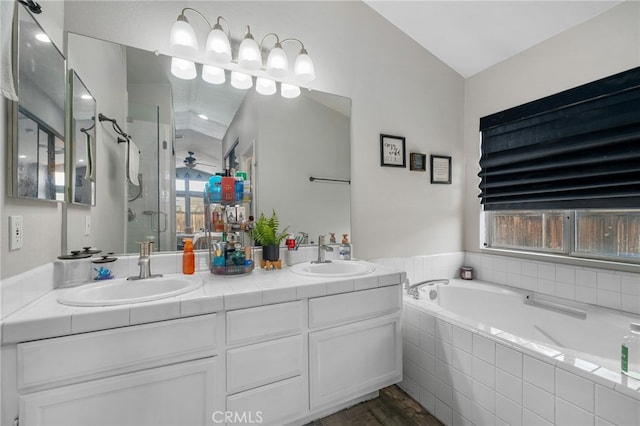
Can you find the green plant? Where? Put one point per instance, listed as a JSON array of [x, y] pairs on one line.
[[265, 230]]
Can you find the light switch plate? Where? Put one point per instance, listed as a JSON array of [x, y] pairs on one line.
[[15, 232], [87, 226]]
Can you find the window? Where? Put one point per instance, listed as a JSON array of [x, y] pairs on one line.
[[561, 174], [606, 234]]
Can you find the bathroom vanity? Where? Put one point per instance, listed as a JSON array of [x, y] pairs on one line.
[[269, 347]]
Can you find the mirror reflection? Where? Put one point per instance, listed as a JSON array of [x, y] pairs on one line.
[[39, 143], [83, 131], [188, 130]]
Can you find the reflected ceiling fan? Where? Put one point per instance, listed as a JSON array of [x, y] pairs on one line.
[[190, 162]]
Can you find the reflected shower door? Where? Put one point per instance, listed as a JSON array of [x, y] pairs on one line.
[[151, 206]]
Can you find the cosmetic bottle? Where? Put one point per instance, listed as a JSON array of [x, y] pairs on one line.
[[345, 249], [188, 258], [630, 353]]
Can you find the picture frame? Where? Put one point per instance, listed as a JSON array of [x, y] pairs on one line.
[[418, 162], [440, 169], [392, 151]]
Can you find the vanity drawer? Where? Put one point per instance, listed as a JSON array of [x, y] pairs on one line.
[[256, 365], [91, 355], [354, 306], [264, 322], [275, 404]]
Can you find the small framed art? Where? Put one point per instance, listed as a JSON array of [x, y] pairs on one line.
[[392, 151], [440, 169], [418, 162]]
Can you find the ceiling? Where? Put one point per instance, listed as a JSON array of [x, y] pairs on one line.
[[471, 36]]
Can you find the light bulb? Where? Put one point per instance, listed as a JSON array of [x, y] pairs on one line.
[[289, 91], [303, 68], [182, 39], [183, 69], [265, 86], [277, 62], [249, 56], [241, 80], [218, 47], [213, 75]]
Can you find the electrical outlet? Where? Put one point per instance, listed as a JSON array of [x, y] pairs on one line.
[[87, 226], [15, 232]]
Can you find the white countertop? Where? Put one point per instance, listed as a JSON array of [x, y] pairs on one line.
[[45, 317]]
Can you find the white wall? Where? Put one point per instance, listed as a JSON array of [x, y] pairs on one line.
[[41, 220], [395, 85], [300, 138], [605, 45]]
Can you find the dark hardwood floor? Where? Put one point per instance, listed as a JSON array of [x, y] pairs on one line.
[[392, 408]]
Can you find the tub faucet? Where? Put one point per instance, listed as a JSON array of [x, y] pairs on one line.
[[322, 247], [144, 262], [414, 289]]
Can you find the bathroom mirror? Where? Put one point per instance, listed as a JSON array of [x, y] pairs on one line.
[[186, 129], [37, 154], [83, 142]]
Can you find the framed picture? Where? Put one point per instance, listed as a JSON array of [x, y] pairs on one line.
[[392, 151], [440, 169], [418, 162]]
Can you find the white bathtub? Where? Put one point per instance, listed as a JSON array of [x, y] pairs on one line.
[[594, 336], [563, 357]]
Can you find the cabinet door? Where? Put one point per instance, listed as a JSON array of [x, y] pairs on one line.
[[179, 394], [352, 360]]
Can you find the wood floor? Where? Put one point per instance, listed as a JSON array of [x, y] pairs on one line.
[[392, 408]]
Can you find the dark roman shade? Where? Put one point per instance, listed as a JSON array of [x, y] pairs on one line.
[[578, 149]]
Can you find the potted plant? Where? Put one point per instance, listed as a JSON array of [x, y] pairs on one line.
[[265, 233]]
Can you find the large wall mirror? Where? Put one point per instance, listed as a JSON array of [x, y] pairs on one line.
[[187, 130], [83, 142], [37, 155]]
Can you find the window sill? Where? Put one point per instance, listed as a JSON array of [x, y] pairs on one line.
[[565, 260]]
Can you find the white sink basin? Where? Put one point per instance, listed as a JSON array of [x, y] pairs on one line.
[[121, 291], [334, 269]]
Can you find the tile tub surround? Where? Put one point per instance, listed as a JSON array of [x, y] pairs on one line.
[[45, 317], [468, 376], [595, 286]]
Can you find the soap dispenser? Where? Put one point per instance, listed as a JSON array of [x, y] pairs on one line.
[[345, 249]]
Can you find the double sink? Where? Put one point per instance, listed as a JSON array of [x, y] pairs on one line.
[[122, 291]]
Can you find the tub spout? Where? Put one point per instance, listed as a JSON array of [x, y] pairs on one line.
[[414, 289]]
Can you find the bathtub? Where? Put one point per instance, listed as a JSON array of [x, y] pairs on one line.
[[478, 353]]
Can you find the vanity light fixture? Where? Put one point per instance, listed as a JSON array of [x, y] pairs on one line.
[[213, 75], [289, 91], [240, 80], [183, 68], [184, 44], [265, 86]]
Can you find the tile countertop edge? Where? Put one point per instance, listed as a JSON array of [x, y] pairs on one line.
[[46, 318]]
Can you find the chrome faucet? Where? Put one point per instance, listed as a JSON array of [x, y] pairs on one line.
[[144, 262], [322, 247], [414, 289]]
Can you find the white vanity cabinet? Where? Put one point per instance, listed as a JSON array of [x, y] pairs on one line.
[[267, 363], [360, 356], [163, 373]]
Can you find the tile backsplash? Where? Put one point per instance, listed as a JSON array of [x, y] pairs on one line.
[[615, 290]]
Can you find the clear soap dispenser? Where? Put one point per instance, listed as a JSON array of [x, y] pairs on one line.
[[630, 355]]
